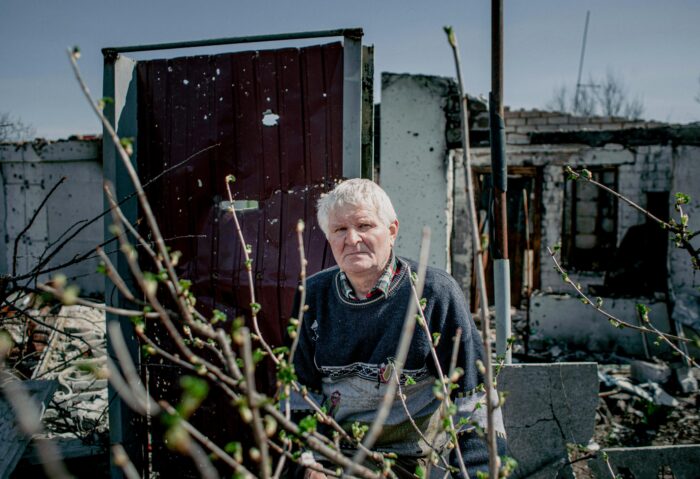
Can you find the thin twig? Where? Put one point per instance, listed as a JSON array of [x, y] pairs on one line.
[[683, 236], [78, 258], [443, 382], [302, 290], [402, 397], [60, 294], [114, 276], [494, 460], [208, 443], [121, 459], [258, 428], [597, 305], [254, 306], [407, 330]]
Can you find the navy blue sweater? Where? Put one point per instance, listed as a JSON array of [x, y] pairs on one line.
[[345, 356]]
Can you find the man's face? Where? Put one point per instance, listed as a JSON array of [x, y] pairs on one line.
[[360, 242]]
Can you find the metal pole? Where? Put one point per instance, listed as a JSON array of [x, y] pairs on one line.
[[580, 62], [499, 176]]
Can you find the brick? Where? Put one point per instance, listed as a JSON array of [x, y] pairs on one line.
[[611, 126], [525, 129], [578, 120], [517, 139], [585, 224], [558, 120], [536, 121], [515, 121], [548, 128], [585, 241]]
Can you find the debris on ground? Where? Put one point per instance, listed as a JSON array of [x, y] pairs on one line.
[[66, 344]]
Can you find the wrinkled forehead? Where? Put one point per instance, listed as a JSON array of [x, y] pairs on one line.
[[348, 212]]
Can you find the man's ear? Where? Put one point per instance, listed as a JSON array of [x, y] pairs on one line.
[[394, 230]]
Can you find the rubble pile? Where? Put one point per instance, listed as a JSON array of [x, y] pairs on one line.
[[65, 344], [646, 403]]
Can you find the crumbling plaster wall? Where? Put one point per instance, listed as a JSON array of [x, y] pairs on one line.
[[415, 169], [686, 171], [28, 172]]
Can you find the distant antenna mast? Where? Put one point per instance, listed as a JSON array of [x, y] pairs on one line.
[[580, 63]]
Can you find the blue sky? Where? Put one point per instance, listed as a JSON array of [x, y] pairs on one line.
[[653, 45]]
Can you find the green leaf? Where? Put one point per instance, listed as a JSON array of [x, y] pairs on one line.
[[308, 424], [419, 472], [359, 430], [682, 198], [218, 316], [235, 449], [258, 355], [102, 268], [285, 372]]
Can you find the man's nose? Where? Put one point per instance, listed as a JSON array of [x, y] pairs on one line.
[[352, 237]]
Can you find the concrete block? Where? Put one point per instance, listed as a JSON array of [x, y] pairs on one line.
[[558, 120], [514, 121], [550, 128], [547, 406], [686, 380], [586, 241], [585, 224], [536, 121], [646, 462], [611, 126], [644, 371], [517, 139], [525, 128], [562, 318], [601, 156]]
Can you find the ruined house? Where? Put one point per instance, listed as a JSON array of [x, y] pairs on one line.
[[605, 245]]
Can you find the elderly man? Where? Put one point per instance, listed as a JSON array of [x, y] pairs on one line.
[[352, 328]]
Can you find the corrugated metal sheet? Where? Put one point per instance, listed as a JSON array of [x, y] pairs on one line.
[[188, 105]]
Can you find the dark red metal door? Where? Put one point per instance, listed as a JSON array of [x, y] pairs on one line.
[[273, 119]]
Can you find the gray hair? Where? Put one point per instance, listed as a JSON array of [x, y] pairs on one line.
[[356, 192]]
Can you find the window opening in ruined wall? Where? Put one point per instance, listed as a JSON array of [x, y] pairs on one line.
[[590, 222]]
